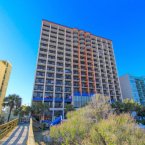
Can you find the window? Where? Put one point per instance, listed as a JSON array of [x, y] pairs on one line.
[[38, 95], [50, 74], [58, 82], [58, 89], [45, 30], [49, 81], [39, 87], [42, 44], [42, 61], [45, 34], [59, 64], [52, 57], [40, 67], [51, 46], [68, 83], [46, 25], [43, 39], [59, 76], [43, 50], [40, 73], [59, 70], [49, 88], [52, 27], [62, 30], [58, 95], [42, 55], [50, 68], [39, 80], [49, 95], [52, 41], [67, 89], [68, 77]]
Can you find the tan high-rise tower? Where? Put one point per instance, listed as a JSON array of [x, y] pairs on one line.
[[72, 66], [5, 70]]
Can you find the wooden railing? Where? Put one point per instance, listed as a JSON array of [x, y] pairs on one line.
[[31, 140], [7, 127]]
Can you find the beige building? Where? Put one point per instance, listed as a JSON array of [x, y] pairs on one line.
[[5, 69], [73, 65]]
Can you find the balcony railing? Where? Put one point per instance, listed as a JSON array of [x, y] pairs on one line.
[[7, 127]]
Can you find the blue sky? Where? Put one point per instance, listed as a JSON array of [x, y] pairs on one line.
[[122, 21]]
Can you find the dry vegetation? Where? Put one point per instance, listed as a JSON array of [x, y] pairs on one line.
[[96, 124]]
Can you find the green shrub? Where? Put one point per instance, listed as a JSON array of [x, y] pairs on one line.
[[117, 130], [95, 124]]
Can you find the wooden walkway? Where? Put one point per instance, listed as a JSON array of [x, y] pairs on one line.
[[18, 136]]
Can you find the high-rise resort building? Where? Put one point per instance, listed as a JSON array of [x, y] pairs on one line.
[[133, 88], [72, 66], [5, 70]]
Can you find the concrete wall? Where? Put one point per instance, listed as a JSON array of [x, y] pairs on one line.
[[5, 70], [125, 87]]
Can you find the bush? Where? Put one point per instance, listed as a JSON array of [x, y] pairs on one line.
[[116, 130], [95, 124]]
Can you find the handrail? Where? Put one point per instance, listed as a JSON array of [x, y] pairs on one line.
[[7, 127], [31, 140]]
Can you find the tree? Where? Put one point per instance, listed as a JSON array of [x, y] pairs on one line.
[[2, 119], [22, 111], [13, 102], [40, 109], [127, 106], [69, 107]]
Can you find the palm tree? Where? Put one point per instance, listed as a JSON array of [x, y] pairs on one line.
[[22, 111], [40, 109], [12, 101]]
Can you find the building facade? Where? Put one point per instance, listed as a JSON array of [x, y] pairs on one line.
[[72, 66], [133, 88], [5, 70]]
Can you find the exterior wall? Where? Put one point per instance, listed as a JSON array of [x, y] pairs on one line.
[[140, 87], [133, 88], [72, 66], [125, 87], [5, 69]]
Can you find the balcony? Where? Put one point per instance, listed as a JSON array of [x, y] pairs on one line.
[[49, 89], [76, 79], [42, 55], [52, 52], [58, 90], [60, 59], [39, 81], [43, 49], [60, 54], [67, 77], [37, 98], [51, 63], [67, 89], [49, 82], [42, 62], [50, 69], [40, 67], [45, 30], [59, 77]]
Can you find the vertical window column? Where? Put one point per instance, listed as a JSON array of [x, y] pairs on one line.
[[111, 72], [100, 71], [94, 77], [46, 68], [79, 65], [53, 103], [86, 66]]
